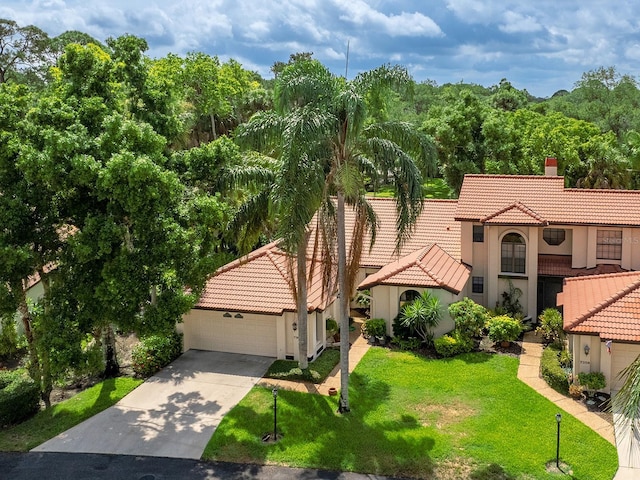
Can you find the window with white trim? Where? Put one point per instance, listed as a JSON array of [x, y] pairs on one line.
[[609, 245], [513, 253]]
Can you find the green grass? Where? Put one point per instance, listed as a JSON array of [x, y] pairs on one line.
[[433, 188], [466, 417], [318, 370], [48, 423]]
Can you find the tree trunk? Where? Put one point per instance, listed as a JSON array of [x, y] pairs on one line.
[[111, 369], [301, 301], [343, 305], [34, 361], [213, 126]]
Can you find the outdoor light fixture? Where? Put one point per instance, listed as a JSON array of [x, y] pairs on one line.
[[295, 326], [227, 315], [587, 349], [238, 315], [558, 420], [275, 413]]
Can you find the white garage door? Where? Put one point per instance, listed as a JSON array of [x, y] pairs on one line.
[[622, 354], [252, 334]]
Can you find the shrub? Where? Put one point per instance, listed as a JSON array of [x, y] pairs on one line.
[[504, 328], [592, 381], [551, 326], [331, 326], [511, 300], [9, 344], [376, 327], [409, 343], [565, 358], [423, 315], [400, 330], [451, 345], [19, 397], [155, 352], [575, 390], [469, 317], [552, 372]]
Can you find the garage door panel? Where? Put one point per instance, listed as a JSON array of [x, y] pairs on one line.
[[254, 335], [622, 355]]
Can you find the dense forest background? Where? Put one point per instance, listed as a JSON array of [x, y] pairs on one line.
[[123, 172]]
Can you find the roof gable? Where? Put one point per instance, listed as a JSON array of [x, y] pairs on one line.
[[429, 267], [606, 305], [515, 214], [482, 196]]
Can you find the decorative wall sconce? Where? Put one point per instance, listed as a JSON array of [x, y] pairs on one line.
[[238, 315], [587, 349], [295, 326], [227, 315]]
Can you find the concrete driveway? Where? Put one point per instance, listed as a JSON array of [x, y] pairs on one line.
[[172, 414]]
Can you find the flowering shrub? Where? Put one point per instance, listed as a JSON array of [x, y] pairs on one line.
[[452, 345], [504, 328], [155, 352]]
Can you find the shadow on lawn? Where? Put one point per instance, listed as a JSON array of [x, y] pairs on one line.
[[314, 434]]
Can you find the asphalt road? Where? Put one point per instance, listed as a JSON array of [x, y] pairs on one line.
[[85, 466]]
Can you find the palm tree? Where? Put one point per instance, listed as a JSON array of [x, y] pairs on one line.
[[357, 148], [627, 400], [422, 316]]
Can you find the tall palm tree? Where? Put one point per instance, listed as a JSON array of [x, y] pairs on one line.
[[357, 148]]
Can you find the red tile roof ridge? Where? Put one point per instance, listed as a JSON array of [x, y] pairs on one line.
[[506, 175], [426, 269], [605, 303], [618, 191], [519, 206], [259, 252], [583, 278], [285, 275]]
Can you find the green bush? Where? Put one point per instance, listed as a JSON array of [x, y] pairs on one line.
[[410, 343], [504, 328], [400, 330], [376, 327], [551, 326], [19, 397], [155, 352], [8, 337], [452, 345], [331, 326], [469, 317], [552, 372], [592, 381]]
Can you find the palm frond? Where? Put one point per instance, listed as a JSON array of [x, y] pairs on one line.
[[627, 400], [262, 133], [394, 77], [252, 218], [235, 177], [303, 83]]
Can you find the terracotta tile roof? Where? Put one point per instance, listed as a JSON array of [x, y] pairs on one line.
[[515, 214], [435, 225], [483, 195], [604, 305], [428, 267], [260, 282], [560, 266]]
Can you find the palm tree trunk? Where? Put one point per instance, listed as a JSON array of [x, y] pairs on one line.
[[301, 301], [343, 305]]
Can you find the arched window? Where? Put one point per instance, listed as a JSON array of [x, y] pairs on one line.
[[513, 254], [408, 296]]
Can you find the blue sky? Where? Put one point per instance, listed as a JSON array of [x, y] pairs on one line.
[[542, 45]]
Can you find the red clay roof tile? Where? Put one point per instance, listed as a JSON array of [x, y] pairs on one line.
[[604, 305], [428, 267]]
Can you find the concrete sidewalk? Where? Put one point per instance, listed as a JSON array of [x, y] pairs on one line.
[[359, 346], [622, 434]]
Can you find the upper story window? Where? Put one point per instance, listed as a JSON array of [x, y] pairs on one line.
[[478, 233], [609, 245], [513, 253], [554, 236]]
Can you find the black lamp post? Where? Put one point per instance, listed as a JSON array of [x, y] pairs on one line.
[[275, 413], [558, 420]]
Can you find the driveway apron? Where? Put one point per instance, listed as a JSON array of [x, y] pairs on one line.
[[172, 414]]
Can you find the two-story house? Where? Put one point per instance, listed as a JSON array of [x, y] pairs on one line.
[[527, 231]]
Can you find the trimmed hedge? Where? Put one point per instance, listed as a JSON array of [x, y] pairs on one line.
[[452, 345], [552, 372], [19, 397], [155, 352]]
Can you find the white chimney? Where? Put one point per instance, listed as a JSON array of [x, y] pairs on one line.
[[551, 167]]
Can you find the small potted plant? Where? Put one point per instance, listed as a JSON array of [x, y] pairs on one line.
[[375, 329]]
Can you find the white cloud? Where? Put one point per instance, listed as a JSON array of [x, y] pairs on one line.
[[405, 24], [517, 23]]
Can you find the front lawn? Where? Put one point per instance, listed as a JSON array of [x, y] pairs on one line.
[[466, 417], [317, 372], [48, 423], [433, 188]]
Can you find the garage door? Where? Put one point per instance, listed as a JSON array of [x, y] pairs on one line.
[[252, 334], [622, 354]]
